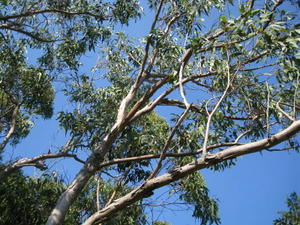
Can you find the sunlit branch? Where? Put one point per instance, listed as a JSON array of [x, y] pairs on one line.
[[133, 90], [155, 102], [181, 86], [295, 96], [211, 114]]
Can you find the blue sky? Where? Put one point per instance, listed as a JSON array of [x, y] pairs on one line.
[[249, 193]]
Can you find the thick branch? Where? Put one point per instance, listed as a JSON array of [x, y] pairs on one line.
[[176, 174], [36, 161]]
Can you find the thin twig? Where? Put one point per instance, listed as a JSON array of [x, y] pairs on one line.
[[284, 113], [30, 34], [211, 114], [166, 146]]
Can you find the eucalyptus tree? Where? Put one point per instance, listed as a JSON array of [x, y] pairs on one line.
[[231, 85]]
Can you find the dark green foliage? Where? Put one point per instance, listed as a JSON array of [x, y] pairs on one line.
[[195, 192], [44, 45], [292, 216], [29, 200]]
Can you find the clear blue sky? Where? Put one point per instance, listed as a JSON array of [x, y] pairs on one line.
[[250, 193]]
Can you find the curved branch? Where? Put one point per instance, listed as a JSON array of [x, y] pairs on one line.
[[36, 162], [29, 34], [147, 189]]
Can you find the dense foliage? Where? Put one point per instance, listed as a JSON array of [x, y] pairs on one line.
[[29, 200], [234, 65]]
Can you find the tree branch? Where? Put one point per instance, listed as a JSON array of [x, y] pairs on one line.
[[36, 161], [132, 92], [284, 113], [211, 114], [168, 154], [36, 12], [29, 34], [11, 129], [178, 173], [166, 146], [195, 108]]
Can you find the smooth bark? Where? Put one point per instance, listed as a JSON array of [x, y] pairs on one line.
[[147, 188]]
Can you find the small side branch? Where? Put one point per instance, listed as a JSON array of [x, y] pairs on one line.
[[29, 34], [167, 144], [211, 114], [36, 162], [167, 154], [284, 113]]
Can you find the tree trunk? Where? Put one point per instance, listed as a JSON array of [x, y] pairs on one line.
[[67, 198]]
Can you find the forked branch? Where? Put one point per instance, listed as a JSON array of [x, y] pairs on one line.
[[178, 173]]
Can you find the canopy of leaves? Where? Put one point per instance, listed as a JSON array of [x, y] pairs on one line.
[[237, 75], [30, 200]]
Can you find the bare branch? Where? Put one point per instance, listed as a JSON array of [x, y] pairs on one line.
[[36, 162], [167, 154], [195, 108], [132, 92], [211, 114], [187, 105]]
